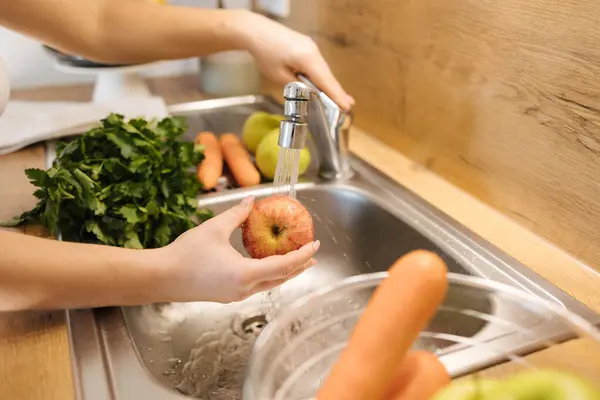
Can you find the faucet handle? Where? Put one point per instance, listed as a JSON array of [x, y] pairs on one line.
[[330, 108], [304, 79], [326, 100]]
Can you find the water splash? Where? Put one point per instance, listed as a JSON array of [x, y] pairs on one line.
[[217, 365]]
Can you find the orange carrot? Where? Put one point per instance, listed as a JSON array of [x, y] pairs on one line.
[[398, 310], [420, 376], [211, 168], [238, 160]]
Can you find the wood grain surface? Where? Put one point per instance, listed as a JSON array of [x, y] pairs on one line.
[[33, 345], [502, 98]]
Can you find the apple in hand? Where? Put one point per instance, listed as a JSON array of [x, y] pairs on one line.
[[277, 225]]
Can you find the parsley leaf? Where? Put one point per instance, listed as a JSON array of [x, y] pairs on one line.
[[122, 183]]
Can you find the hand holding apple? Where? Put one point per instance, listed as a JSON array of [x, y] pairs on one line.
[[202, 265], [277, 225]]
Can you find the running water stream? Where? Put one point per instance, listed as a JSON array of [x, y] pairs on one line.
[[229, 348], [286, 173], [286, 177]]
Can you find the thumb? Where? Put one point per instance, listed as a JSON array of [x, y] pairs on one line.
[[231, 219]]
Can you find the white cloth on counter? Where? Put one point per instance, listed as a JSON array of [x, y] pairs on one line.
[[27, 122]]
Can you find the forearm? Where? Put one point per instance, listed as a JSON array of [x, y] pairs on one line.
[[38, 273], [126, 31]]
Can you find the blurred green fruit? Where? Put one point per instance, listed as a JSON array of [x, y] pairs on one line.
[[526, 385], [469, 389], [544, 385], [267, 155], [257, 126]]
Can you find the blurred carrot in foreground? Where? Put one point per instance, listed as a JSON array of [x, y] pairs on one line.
[[420, 376], [375, 361]]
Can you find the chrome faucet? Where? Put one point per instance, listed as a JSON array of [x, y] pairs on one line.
[[308, 109]]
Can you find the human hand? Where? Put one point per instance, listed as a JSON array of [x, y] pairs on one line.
[[281, 53], [203, 266]]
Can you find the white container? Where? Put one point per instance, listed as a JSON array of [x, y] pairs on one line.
[[113, 82], [229, 73]]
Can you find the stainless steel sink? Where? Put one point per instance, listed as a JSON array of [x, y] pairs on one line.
[[364, 223]]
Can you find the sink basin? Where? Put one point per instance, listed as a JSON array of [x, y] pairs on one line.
[[364, 223], [360, 237]]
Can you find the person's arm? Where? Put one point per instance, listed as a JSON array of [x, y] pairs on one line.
[[134, 31], [125, 31], [200, 265], [37, 273]]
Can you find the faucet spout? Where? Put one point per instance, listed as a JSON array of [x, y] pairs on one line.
[[308, 109], [293, 130]]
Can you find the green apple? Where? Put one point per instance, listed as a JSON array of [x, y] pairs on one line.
[[267, 155], [468, 389], [544, 385], [257, 126]]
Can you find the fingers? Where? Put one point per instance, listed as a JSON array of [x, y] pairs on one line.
[[401, 307], [264, 286], [282, 266], [230, 220], [284, 76], [419, 377], [320, 74]]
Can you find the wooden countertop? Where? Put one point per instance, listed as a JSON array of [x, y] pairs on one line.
[[34, 352]]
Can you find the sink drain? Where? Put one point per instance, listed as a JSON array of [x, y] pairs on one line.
[[254, 324]]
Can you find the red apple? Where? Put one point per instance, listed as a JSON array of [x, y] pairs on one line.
[[277, 225]]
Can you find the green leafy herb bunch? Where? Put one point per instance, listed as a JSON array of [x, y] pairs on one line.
[[123, 183]]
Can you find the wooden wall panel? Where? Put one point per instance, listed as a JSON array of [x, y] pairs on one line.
[[502, 98]]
